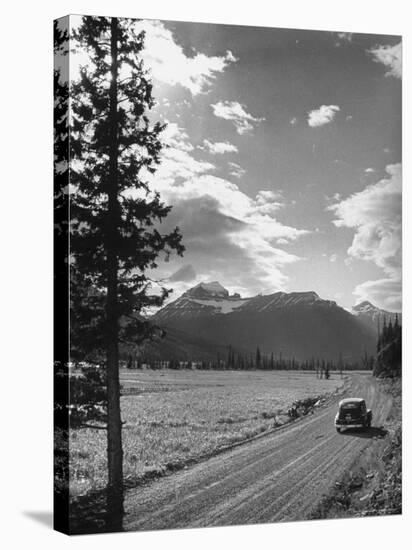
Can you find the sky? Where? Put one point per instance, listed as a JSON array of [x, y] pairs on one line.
[[283, 159]]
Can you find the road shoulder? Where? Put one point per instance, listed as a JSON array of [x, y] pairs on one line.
[[372, 486]]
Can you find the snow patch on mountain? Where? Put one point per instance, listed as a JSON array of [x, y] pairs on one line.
[[368, 308], [284, 299], [208, 299], [364, 307]]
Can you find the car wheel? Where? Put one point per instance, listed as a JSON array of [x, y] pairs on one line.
[[338, 430]]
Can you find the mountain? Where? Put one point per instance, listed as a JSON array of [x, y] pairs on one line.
[[183, 346], [373, 317], [299, 324], [203, 300], [208, 290]]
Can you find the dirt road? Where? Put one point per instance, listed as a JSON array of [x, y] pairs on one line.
[[280, 477]]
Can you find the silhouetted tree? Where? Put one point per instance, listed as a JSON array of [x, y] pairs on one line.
[[115, 217], [61, 350]]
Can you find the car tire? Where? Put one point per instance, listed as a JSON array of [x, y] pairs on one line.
[[338, 430]]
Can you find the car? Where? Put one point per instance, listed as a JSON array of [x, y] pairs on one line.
[[352, 413]]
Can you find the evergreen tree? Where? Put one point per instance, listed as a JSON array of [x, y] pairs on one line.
[[258, 358], [61, 279], [115, 218]]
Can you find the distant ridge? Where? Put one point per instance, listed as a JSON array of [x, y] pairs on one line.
[[373, 316], [299, 324]]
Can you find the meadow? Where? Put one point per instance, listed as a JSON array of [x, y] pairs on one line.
[[173, 417]]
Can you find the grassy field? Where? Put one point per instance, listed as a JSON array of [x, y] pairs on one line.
[[172, 417]]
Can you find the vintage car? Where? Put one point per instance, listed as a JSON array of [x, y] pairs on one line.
[[352, 413]]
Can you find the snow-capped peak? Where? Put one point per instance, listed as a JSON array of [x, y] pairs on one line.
[[364, 307], [212, 289]]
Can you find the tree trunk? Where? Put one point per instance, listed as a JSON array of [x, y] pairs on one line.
[[114, 426]]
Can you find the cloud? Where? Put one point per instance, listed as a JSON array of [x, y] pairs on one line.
[[257, 213], [169, 63], [229, 235], [375, 214], [293, 121], [178, 161], [236, 113], [333, 258], [219, 147], [266, 196], [369, 170], [236, 171], [385, 293], [239, 251], [323, 115], [390, 56], [186, 273], [269, 202]]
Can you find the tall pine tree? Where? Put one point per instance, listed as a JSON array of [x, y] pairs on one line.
[[115, 217], [61, 277]]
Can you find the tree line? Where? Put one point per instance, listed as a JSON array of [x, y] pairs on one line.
[[235, 360], [389, 350]]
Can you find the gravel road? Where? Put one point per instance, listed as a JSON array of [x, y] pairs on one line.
[[279, 477]]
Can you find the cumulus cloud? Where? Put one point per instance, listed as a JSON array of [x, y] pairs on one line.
[[236, 113], [293, 121], [375, 214], [219, 147], [232, 234], [234, 203], [386, 293], [178, 162], [236, 170], [391, 57], [242, 253], [323, 115], [169, 63], [333, 258], [228, 235], [369, 170], [268, 202]]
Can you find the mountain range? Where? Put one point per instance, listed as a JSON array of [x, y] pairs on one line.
[[207, 319]]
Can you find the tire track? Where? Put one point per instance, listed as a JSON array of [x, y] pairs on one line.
[[279, 477]]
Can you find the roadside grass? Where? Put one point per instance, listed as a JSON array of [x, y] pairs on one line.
[[373, 484], [172, 418]]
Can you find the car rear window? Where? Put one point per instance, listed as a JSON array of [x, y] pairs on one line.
[[350, 406]]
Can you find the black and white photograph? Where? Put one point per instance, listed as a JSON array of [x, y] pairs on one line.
[[228, 274]]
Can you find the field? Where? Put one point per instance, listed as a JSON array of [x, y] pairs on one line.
[[172, 417]]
